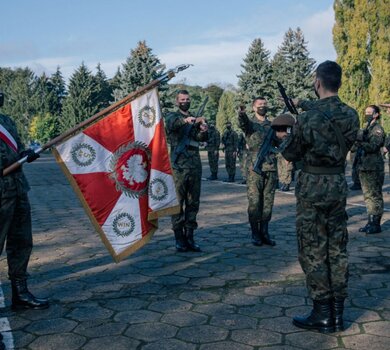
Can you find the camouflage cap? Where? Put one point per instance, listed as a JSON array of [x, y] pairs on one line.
[[283, 120]]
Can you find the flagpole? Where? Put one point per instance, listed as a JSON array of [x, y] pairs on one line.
[[130, 97]]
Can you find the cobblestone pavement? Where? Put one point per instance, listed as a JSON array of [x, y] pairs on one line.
[[230, 296]]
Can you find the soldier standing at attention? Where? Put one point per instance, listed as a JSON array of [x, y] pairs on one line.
[[187, 169], [260, 188], [321, 138], [230, 144], [372, 170], [212, 148], [242, 153], [15, 215]]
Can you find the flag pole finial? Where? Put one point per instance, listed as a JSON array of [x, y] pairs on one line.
[[172, 72]]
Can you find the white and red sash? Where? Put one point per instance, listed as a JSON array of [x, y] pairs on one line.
[[8, 139]]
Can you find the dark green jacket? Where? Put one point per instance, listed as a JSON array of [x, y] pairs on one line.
[[230, 141], [372, 158], [214, 139]]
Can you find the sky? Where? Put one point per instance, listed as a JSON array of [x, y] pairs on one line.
[[213, 35]]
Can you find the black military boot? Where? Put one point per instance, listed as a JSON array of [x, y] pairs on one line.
[[364, 228], [23, 299], [338, 310], [181, 245], [2, 346], [212, 177], [265, 235], [320, 318], [355, 187], [191, 245], [374, 224], [256, 238]]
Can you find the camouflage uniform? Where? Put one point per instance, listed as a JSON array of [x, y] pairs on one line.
[[15, 213], [321, 192], [356, 161], [284, 172], [242, 153], [260, 188], [371, 169], [213, 151], [387, 145], [230, 143], [187, 171]]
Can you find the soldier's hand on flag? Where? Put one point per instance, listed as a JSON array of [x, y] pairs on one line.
[[189, 120], [30, 154]]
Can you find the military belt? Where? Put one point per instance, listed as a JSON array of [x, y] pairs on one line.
[[321, 170]]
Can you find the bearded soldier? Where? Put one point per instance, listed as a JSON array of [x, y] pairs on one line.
[[260, 188], [212, 148], [321, 139], [230, 143], [371, 168], [15, 215], [181, 127]]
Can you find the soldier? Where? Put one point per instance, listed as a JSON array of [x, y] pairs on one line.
[[260, 188], [230, 143], [187, 169], [212, 148], [242, 153], [371, 171], [15, 215], [321, 138], [284, 173]]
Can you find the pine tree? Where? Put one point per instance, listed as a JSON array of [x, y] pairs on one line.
[[256, 78], [140, 68], [115, 83], [44, 98], [59, 89], [82, 100], [292, 66], [104, 89], [227, 111]]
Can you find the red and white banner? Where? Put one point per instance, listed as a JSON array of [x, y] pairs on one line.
[[121, 171], [8, 139]]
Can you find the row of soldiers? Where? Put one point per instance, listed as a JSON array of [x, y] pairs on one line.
[[234, 146]]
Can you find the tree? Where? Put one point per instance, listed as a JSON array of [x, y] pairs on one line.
[[256, 77], [104, 90], [44, 98], [292, 66], [59, 89], [43, 128], [227, 111], [362, 40], [214, 92], [140, 68], [82, 100]]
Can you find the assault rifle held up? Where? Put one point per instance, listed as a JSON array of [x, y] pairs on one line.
[[360, 152], [185, 141]]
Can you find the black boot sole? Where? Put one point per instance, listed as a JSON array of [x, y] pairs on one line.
[[329, 329], [29, 307]]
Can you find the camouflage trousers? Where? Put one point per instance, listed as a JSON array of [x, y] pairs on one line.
[[15, 228], [261, 193], [284, 170], [243, 159], [230, 163], [372, 182], [187, 183], [213, 157], [322, 247]]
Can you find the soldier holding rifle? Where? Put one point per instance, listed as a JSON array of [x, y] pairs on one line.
[[321, 139], [185, 132]]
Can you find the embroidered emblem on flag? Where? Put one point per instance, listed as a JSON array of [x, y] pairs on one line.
[[119, 167]]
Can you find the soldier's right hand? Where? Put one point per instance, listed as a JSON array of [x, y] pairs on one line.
[[30, 154], [189, 120]]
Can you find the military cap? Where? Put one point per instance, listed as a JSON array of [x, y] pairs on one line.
[[283, 120]]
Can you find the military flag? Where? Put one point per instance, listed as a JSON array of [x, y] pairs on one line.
[[119, 167]]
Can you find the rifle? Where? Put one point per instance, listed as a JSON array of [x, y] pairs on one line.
[[287, 100], [185, 141], [360, 152]]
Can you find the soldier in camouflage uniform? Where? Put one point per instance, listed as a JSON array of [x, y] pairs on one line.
[[242, 153], [284, 173], [260, 188], [212, 148], [371, 168], [187, 169], [15, 215], [230, 143], [322, 138]]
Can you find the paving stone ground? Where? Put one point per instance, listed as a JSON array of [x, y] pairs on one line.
[[232, 295]]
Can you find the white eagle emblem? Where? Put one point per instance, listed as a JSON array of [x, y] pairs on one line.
[[135, 170]]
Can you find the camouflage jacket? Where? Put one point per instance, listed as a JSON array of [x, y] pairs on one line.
[[175, 128], [371, 158], [255, 133], [16, 181], [314, 142], [214, 139], [230, 140], [241, 144]]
